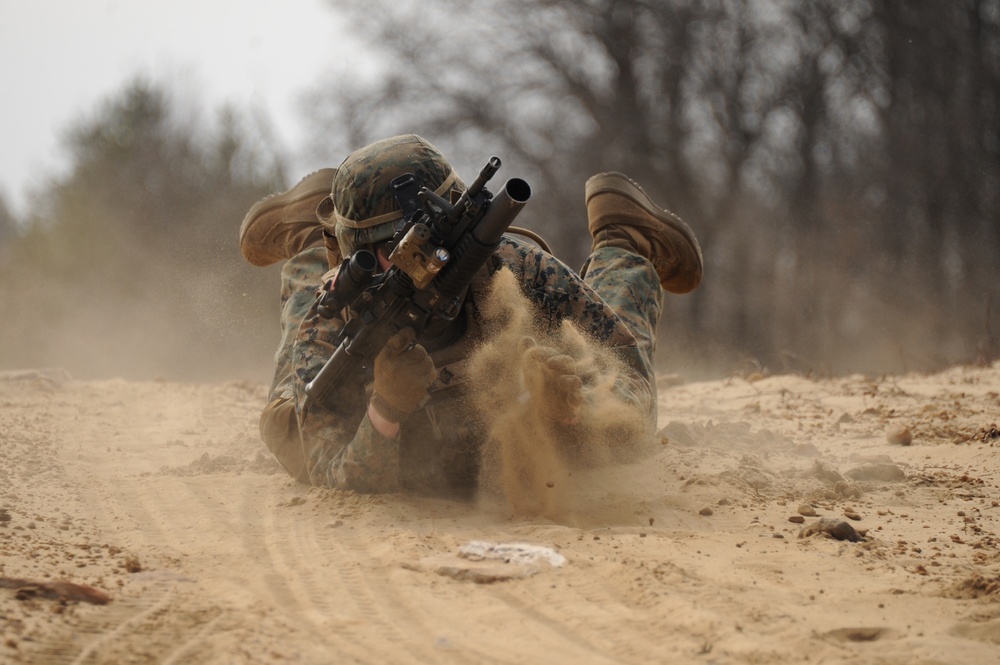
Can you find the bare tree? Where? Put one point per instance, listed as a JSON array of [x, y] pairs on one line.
[[7, 222], [130, 263], [810, 144], [942, 163]]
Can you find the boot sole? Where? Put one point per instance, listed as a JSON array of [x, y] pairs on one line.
[[285, 198], [621, 184]]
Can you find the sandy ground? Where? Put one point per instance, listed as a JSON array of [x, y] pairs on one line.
[[162, 496]]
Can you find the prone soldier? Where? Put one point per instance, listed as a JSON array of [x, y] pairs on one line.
[[405, 418]]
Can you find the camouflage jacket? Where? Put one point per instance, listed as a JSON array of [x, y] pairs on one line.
[[437, 446]]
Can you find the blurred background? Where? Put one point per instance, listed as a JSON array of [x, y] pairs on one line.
[[839, 162]]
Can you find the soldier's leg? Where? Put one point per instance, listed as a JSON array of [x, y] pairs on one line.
[[288, 226], [280, 226], [638, 249], [300, 277], [628, 284]]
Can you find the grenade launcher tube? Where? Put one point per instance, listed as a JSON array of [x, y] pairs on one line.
[[477, 245]]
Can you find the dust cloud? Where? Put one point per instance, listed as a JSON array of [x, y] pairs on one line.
[[531, 457], [169, 318]]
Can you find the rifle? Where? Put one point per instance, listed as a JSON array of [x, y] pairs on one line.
[[435, 253]]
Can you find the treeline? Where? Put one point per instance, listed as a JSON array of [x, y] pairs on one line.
[[840, 163], [128, 266]]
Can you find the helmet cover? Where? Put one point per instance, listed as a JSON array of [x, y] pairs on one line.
[[365, 206]]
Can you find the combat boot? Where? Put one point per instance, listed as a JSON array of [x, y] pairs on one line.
[[280, 226], [621, 214]]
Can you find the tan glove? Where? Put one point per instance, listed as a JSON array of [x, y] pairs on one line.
[[552, 381], [402, 377]]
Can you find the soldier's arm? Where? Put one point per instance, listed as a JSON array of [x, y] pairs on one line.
[[561, 294], [367, 462], [342, 449]]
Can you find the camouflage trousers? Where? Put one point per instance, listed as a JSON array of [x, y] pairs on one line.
[[626, 283]]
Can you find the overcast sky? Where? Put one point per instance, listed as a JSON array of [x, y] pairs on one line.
[[59, 58]]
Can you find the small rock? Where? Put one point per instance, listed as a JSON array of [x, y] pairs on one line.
[[4, 515], [847, 490], [899, 436], [705, 511], [884, 472], [826, 472], [807, 510], [797, 519], [850, 514], [835, 529], [132, 565]]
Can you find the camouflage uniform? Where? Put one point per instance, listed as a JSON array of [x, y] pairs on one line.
[[617, 303]]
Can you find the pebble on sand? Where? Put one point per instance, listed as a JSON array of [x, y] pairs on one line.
[[899, 436], [807, 510]]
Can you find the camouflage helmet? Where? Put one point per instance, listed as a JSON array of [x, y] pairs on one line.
[[365, 208]]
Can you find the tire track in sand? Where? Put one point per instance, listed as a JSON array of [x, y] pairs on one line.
[[430, 619], [334, 582], [158, 613], [86, 642]]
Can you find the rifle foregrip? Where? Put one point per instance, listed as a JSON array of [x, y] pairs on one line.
[[502, 210]]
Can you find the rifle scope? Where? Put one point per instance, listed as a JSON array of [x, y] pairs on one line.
[[354, 275]]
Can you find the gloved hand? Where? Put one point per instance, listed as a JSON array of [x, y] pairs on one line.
[[552, 381], [402, 377]]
